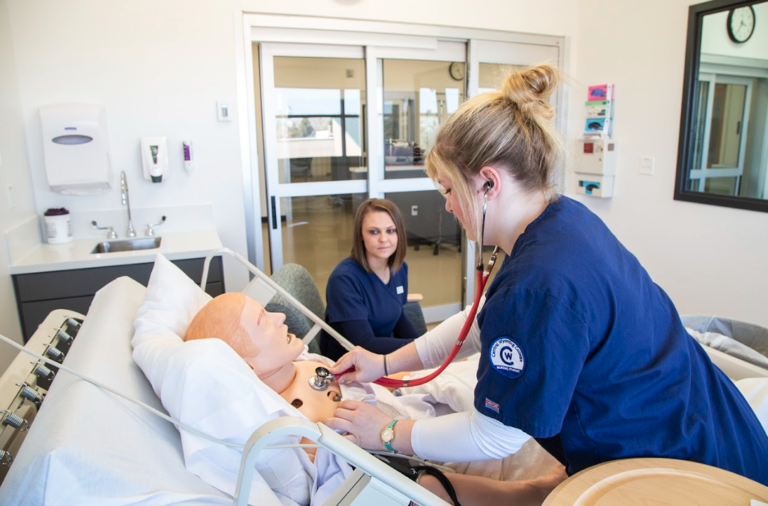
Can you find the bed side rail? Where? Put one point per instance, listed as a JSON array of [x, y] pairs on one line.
[[385, 486], [267, 281]]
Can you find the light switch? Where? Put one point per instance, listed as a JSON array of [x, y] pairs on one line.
[[222, 111], [414, 210], [647, 164]]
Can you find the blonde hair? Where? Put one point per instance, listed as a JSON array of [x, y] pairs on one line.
[[510, 129]]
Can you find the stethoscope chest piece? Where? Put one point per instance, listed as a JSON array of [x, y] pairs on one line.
[[322, 379]]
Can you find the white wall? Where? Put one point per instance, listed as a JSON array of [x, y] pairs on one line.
[[14, 174], [710, 260], [159, 68]]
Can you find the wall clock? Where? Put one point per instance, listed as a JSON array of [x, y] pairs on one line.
[[741, 24]]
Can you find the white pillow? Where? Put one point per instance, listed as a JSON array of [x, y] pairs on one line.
[[206, 385], [755, 390]]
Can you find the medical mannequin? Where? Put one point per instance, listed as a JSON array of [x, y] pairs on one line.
[[263, 341]]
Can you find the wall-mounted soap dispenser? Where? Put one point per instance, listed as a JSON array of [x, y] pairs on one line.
[[154, 158]]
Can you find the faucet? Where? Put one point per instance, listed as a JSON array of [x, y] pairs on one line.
[[127, 203]]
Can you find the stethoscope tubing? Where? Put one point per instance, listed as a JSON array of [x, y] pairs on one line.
[[482, 278]]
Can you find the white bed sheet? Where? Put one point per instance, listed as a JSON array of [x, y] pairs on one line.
[[89, 447]]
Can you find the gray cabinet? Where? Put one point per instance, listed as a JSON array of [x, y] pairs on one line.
[[40, 293]]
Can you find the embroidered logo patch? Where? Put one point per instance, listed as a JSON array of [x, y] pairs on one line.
[[399, 290], [493, 406], [507, 357]]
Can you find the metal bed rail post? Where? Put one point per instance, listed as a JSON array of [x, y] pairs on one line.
[[339, 445], [319, 323]]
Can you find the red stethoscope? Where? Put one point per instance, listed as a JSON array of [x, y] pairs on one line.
[[482, 275]]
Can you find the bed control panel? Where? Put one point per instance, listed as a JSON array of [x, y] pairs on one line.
[[25, 383]]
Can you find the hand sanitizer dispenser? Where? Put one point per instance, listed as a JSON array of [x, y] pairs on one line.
[[154, 158]]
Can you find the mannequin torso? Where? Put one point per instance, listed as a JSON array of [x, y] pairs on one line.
[[317, 405]]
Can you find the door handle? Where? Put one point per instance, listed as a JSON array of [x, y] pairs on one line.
[[274, 214]]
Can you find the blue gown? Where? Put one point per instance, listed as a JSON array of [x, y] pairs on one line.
[[366, 311], [581, 350]]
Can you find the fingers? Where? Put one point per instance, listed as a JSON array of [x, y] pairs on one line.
[[339, 424], [349, 405], [345, 362], [349, 360]]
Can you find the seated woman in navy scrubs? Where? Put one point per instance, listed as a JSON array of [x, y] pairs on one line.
[[367, 290], [579, 348]]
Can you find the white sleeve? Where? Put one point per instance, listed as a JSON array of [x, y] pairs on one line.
[[434, 346], [465, 437]]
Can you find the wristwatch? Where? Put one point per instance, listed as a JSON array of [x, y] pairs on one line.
[[388, 434]]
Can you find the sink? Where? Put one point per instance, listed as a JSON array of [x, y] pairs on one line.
[[127, 245]]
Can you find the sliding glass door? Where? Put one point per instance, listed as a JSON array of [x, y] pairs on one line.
[[340, 115]]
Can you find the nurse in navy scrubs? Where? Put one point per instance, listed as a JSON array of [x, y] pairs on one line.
[[579, 348], [367, 290]]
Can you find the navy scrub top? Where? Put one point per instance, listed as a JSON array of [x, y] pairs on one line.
[[353, 294], [581, 350]]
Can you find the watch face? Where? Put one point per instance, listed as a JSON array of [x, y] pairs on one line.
[[741, 24], [387, 435]]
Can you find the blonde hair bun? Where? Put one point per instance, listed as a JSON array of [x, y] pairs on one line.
[[529, 89]]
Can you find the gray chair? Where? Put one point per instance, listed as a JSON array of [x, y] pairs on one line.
[[415, 314], [298, 282]]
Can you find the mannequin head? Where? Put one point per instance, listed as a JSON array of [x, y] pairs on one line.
[[260, 338]]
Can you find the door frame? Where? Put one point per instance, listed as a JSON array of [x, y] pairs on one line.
[[374, 37]]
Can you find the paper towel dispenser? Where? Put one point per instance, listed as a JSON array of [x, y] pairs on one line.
[[76, 148]]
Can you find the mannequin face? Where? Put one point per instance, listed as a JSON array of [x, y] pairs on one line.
[[379, 235], [271, 346]]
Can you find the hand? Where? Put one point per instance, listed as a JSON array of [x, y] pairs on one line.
[[362, 421], [367, 366]]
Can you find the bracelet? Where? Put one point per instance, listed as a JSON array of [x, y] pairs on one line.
[[386, 370]]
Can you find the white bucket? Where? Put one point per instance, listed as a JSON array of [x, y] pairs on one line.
[[58, 229]]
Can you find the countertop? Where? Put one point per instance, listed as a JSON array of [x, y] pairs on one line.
[[77, 254]]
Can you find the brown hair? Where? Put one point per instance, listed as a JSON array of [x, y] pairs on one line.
[[509, 129], [358, 253]]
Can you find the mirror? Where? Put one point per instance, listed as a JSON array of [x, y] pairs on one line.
[[723, 152]]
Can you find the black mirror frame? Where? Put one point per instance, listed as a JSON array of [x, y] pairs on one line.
[[696, 14]]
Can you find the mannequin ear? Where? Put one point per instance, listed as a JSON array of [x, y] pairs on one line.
[[490, 181]]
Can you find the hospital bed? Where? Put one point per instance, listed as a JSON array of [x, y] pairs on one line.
[[86, 445]]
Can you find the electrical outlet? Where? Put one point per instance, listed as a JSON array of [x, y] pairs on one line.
[[414, 210], [647, 164]]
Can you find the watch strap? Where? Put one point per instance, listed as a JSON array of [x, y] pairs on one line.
[[391, 426]]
